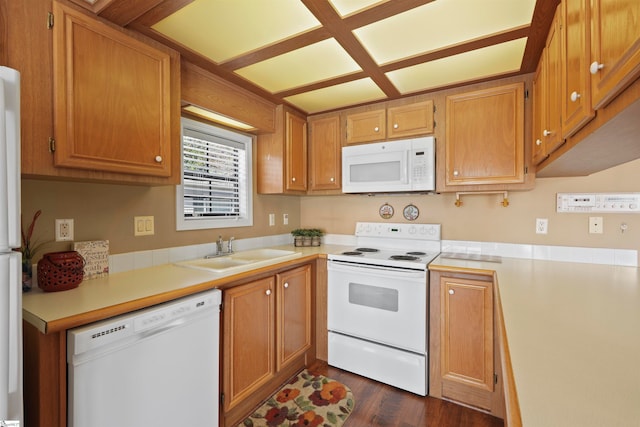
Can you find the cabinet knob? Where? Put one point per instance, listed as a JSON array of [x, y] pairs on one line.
[[158, 159], [293, 179], [547, 132], [538, 142], [456, 173], [376, 129], [332, 179], [396, 126], [267, 292], [575, 96], [595, 67], [286, 285], [451, 292]]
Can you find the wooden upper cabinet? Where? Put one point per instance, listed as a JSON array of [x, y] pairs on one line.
[[552, 132], [293, 324], [576, 84], [394, 121], [485, 136], [282, 155], [112, 103], [467, 341], [410, 120], [296, 153], [325, 153], [368, 126], [547, 90], [615, 48], [538, 152]]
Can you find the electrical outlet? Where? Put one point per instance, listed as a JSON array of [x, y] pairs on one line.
[[285, 219], [542, 225], [596, 225], [64, 230], [143, 226], [272, 219]]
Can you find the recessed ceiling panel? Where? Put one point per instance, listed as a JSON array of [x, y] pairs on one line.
[[317, 62], [346, 7], [343, 95], [223, 29], [486, 62], [439, 24]]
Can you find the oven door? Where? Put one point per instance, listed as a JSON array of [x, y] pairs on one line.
[[381, 304]]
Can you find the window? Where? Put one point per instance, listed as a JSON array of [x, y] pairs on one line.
[[216, 188]]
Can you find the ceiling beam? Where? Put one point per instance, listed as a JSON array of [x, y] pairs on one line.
[[540, 24], [329, 18]]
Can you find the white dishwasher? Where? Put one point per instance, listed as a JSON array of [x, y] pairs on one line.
[[157, 366]]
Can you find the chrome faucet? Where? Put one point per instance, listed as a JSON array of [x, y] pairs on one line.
[[219, 248]]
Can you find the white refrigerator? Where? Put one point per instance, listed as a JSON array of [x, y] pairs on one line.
[[11, 400]]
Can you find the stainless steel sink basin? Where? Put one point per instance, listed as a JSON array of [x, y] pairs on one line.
[[252, 259]]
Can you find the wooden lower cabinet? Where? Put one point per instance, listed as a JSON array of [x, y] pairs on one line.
[[266, 335], [464, 360]]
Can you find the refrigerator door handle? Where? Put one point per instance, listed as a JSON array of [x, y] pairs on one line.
[[15, 326], [9, 159]]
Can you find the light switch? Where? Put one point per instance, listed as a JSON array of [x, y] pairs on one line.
[[143, 226]]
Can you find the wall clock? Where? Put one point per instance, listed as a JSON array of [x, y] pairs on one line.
[[411, 212]]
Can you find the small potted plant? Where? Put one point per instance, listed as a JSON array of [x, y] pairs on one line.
[[301, 237], [316, 235], [307, 236]]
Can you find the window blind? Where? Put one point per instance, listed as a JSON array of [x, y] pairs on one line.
[[213, 176]]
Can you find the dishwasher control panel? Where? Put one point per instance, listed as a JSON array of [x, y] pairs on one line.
[[598, 202]]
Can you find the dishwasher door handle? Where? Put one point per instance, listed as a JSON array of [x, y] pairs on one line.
[[155, 331]]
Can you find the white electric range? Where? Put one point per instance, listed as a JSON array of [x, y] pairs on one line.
[[378, 303]]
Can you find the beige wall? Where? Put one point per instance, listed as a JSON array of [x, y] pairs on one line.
[[106, 211], [483, 218]]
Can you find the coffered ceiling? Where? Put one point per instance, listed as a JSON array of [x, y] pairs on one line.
[[322, 55]]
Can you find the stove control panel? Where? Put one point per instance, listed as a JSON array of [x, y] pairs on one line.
[[598, 202], [398, 230]]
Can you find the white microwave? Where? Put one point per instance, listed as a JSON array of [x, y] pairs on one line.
[[391, 166]]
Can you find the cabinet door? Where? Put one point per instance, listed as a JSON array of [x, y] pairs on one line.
[[552, 132], [538, 152], [296, 153], [249, 314], [325, 157], [112, 98], [485, 136], [410, 120], [368, 126], [466, 324], [294, 314], [615, 48], [576, 84]]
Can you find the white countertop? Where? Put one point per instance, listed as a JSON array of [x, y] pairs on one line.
[[574, 338], [118, 293]]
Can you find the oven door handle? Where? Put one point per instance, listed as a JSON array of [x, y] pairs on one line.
[[380, 270]]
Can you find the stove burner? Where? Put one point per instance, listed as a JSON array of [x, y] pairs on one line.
[[417, 253], [404, 257], [367, 250], [352, 253]]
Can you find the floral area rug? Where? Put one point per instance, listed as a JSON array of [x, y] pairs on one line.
[[307, 400]]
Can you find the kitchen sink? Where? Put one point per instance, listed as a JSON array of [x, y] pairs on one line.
[[252, 258]]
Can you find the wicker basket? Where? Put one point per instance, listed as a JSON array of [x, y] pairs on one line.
[[60, 271]]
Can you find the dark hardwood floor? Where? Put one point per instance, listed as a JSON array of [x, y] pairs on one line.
[[378, 404]]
